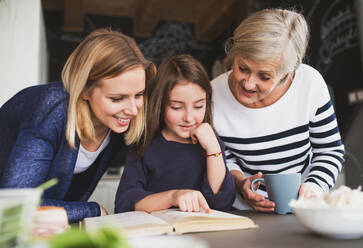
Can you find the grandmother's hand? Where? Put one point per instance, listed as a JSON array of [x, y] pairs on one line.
[[306, 191], [256, 201]]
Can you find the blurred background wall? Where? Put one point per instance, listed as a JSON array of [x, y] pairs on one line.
[[23, 46]]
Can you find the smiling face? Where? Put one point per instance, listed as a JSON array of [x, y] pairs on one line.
[[255, 84], [115, 101], [184, 112]]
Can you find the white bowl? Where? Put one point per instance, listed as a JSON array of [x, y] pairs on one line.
[[338, 223]]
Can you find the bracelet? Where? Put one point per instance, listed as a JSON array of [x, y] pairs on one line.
[[214, 154]]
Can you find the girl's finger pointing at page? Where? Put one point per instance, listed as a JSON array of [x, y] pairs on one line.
[[196, 205], [204, 205], [182, 206]]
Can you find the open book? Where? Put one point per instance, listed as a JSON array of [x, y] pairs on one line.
[[139, 223]]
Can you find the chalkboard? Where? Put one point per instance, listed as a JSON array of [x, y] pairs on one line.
[[334, 50], [353, 142], [338, 33]]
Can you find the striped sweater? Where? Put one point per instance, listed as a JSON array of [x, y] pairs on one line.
[[298, 133]]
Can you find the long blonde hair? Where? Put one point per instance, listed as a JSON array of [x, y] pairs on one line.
[[102, 54], [270, 35]]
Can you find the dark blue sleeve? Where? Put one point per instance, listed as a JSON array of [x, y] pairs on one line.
[[132, 184], [28, 162], [76, 211], [28, 166], [224, 199], [37, 118]]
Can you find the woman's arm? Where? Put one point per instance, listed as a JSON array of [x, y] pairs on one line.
[[29, 161], [327, 148], [76, 211], [29, 165]]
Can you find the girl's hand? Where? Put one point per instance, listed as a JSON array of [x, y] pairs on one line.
[[256, 201], [103, 211], [190, 201], [206, 137], [306, 191]]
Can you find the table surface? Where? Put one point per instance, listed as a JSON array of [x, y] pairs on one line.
[[274, 231]]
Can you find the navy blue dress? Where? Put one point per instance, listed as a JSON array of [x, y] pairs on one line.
[[34, 149]]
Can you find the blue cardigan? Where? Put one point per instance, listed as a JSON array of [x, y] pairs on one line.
[[34, 149]]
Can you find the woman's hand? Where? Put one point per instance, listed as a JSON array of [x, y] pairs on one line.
[[190, 201], [206, 137], [256, 201], [306, 191]]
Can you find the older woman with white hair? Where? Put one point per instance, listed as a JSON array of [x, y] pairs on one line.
[[273, 112]]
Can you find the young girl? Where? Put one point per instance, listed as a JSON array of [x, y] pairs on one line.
[[181, 163]]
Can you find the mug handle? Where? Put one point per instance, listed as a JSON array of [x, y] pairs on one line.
[[255, 181]]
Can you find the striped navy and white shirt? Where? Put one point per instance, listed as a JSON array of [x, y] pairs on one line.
[[297, 133]]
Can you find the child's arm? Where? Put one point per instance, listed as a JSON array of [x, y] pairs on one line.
[[132, 196], [216, 168], [132, 185], [186, 200]]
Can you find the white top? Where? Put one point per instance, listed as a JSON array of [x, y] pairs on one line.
[[297, 133], [85, 158]]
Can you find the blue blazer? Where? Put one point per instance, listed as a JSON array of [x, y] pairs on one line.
[[34, 149]]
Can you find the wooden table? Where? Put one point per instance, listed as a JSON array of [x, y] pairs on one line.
[[273, 231]]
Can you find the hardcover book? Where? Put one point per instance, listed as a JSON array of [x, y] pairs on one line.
[[170, 221]]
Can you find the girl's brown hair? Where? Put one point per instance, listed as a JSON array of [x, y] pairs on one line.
[[172, 71]]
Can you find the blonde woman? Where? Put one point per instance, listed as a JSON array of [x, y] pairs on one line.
[[70, 130], [274, 113]]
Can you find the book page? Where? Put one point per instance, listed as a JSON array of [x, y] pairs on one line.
[[135, 223], [174, 215], [186, 222]]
